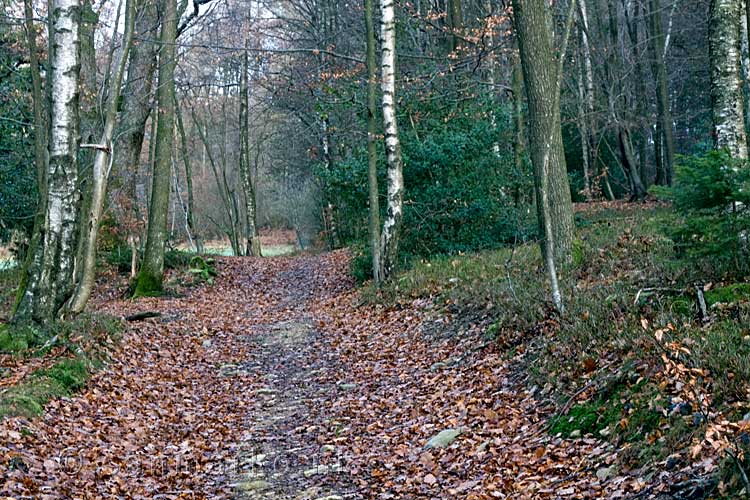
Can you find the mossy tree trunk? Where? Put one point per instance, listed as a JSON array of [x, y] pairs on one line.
[[372, 130], [151, 274]]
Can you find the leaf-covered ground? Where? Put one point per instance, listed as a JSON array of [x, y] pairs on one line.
[[275, 382]]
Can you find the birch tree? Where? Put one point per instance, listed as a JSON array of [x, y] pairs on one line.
[[48, 275], [726, 82], [395, 201], [251, 220], [100, 174]]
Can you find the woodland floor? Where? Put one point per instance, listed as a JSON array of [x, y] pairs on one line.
[[275, 382]]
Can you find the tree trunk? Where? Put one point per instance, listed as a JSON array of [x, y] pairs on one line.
[[372, 155], [541, 75], [41, 130], [662, 94], [101, 171], [726, 82], [89, 122], [455, 22], [583, 132], [251, 229], [637, 190], [394, 208], [136, 106], [48, 282], [188, 179], [151, 274]]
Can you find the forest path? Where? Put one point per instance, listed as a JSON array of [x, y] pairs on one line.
[[278, 382], [281, 456], [220, 397]]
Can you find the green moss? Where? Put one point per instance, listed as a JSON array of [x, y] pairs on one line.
[[728, 294], [18, 340], [71, 374], [590, 417], [89, 335], [28, 399], [148, 285]]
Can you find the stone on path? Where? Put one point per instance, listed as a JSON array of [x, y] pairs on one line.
[[443, 439]]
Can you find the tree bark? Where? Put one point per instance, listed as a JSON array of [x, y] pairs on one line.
[[136, 106], [637, 190], [659, 69], [372, 155], [251, 218], [41, 131], [188, 180], [101, 171], [48, 283], [542, 82], [726, 82], [394, 208], [151, 274]]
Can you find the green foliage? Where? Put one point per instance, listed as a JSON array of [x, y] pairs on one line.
[[119, 257], [18, 189], [203, 268], [178, 259], [728, 294], [712, 224], [19, 339], [360, 265], [460, 197]]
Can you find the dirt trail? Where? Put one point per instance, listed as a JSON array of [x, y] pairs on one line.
[[190, 400], [276, 383], [281, 457]]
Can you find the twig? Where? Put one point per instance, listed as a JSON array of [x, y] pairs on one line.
[[98, 147], [657, 289], [741, 468]]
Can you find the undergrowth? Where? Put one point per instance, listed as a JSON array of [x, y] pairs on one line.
[[75, 350], [631, 314]]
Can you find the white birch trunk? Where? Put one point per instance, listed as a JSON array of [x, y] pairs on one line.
[[726, 82], [49, 276], [394, 206]]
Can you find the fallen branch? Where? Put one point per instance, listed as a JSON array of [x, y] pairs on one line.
[[673, 291], [142, 315]]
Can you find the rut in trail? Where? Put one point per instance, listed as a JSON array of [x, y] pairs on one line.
[[281, 455]]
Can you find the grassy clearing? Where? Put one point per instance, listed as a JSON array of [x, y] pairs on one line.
[[630, 360]]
